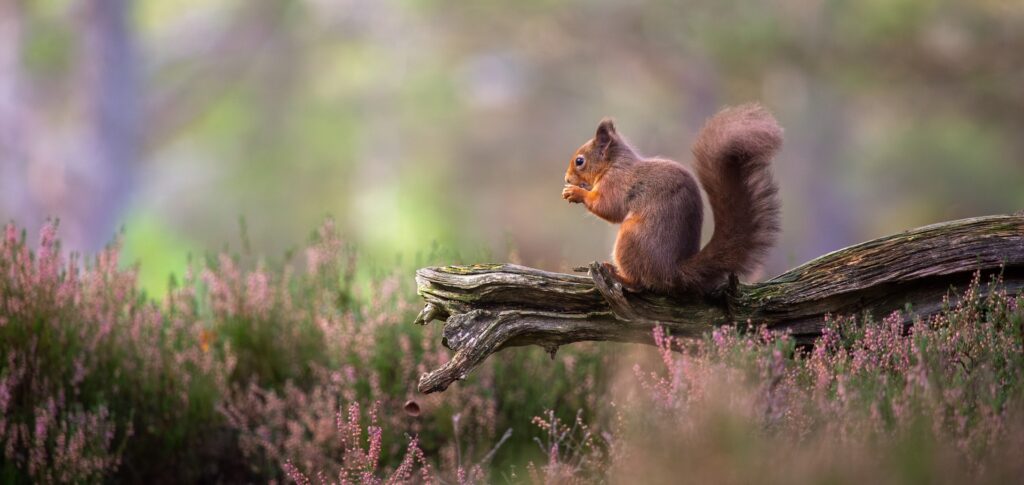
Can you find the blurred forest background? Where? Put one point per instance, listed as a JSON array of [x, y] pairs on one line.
[[417, 122], [440, 132]]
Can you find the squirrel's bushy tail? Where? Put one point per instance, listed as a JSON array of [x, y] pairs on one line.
[[733, 162]]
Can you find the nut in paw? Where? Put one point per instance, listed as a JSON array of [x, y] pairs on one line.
[[573, 193]]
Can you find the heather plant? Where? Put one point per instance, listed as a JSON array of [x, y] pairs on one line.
[[241, 369], [88, 366], [939, 400], [361, 349], [576, 452], [359, 462], [307, 349], [249, 370]]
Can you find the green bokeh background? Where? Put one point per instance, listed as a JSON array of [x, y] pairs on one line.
[[421, 124]]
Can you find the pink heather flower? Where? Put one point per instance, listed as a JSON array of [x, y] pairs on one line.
[[10, 235], [294, 474], [258, 293], [5, 394], [404, 471]]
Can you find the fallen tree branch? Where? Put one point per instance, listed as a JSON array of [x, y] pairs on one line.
[[487, 308]]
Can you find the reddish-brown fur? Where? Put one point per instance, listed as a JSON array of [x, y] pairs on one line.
[[658, 202]]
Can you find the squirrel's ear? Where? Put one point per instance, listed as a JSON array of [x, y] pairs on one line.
[[605, 135], [605, 131]]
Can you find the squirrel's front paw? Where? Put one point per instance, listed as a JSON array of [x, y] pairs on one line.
[[573, 193]]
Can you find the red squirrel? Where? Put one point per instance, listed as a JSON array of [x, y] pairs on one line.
[[658, 202]]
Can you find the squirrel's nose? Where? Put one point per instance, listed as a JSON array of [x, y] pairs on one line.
[[567, 179]]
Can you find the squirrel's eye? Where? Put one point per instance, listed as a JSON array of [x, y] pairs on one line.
[[579, 161]]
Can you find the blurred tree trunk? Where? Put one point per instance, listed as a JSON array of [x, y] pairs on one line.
[[13, 148], [87, 185], [84, 172], [112, 142]]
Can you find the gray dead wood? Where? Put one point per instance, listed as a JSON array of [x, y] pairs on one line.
[[489, 307]]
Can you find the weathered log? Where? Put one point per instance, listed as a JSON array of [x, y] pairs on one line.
[[488, 307]]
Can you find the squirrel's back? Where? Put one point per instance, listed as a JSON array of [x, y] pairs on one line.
[[733, 155]]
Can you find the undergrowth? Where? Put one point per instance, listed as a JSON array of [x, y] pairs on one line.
[[249, 370]]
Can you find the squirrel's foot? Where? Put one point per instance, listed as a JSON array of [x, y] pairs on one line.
[[724, 295], [627, 284], [609, 284]]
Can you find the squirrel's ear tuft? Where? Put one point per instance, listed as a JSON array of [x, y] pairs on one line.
[[605, 132], [606, 136]]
